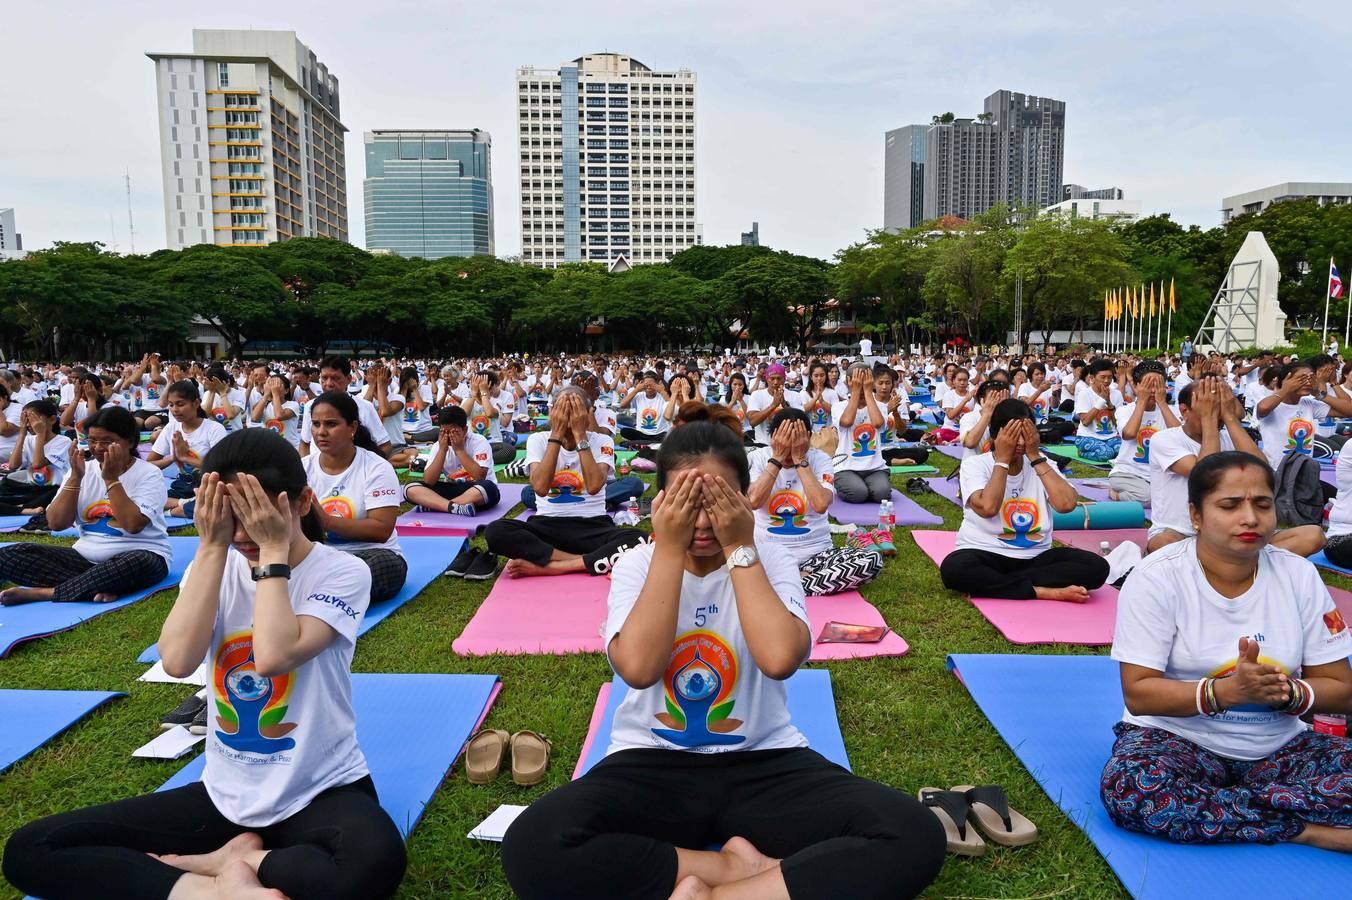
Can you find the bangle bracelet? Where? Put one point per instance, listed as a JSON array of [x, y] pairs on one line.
[[1201, 684], [1002, 465]]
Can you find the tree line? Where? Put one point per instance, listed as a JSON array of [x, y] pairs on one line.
[[926, 285]]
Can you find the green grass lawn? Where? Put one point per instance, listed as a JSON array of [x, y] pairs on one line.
[[907, 722]]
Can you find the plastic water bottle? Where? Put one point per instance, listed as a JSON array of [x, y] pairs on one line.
[[1105, 548], [887, 517]]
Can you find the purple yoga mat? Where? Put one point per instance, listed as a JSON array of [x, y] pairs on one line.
[[907, 510], [945, 487], [1036, 621], [438, 523], [956, 451]]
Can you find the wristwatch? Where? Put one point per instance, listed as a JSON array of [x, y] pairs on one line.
[[583, 445], [272, 570], [804, 464], [742, 557], [777, 463]]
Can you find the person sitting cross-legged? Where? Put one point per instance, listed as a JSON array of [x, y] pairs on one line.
[[465, 461], [1004, 547]]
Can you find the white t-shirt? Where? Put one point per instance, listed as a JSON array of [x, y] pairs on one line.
[[1042, 406], [274, 744], [287, 428], [952, 398], [787, 520], [1170, 618], [455, 395], [888, 436], [760, 400], [712, 679], [100, 536], [206, 435], [413, 420], [393, 425], [1103, 426], [1290, 428], [1168, 489], [366, 415], [479, 450], [217, 412], [858, 440], [1134, 456], [57, 453], [865, 347], [818, 417], [648, 413], [369, 483], [568, 491], [150, 393], [1023, 526], [1340, 516], [480, 422], [967, 423]]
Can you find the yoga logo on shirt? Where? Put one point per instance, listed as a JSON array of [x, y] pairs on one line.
[[249, 707], [787, 510], [864, 440], [1103, 422], [339, 507], [410, 414], [1021, 518], [480, 425], [1142, 454], [153, 391], [1229, 669], [41, 476], [1300, 437], [276, 426], [567, 487], [821, 416], [218, 413], [885, 436], [98, 518], [698, 685], [1040, 408]]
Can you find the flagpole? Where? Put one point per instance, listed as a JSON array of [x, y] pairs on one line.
[[1328, 292]]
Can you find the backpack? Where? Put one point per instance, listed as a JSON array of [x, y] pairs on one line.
[[1300, 492], [1327, 446]]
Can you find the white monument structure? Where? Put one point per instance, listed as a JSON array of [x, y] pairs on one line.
[[1245, 312]]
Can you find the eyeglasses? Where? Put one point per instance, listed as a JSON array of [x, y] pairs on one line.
[[104, 443]]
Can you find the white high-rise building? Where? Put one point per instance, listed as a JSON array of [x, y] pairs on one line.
[[607, 161], [11, 242], [250, 141]]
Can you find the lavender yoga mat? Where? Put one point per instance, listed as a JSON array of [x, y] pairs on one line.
[[1036, 621], [945, 487], [436, 524], [560, 614], [956, 451], [907, 510]]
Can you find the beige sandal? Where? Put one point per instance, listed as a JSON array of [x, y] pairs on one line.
[[483, 755], [990, 811], [530, 757], [952, 809]]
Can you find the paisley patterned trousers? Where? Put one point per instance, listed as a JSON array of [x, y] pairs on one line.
[[1159, 783]]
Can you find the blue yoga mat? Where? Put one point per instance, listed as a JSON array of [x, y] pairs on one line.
[[14, 523], [411, 728], [32, 718], [35, 620], [1057, 713], [812, 707], [1322, 561], [427, 558]]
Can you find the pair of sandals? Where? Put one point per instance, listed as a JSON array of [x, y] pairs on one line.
[[486, 751], [918, 487], [985, 807]]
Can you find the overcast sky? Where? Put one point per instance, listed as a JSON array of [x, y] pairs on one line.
[[1177, 103]]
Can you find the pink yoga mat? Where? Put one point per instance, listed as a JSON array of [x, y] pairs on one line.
[[1343, 600], [1090, 540], [1036, 621], [551, 614], [907, 510], [849, 607], [439, 524], [598, 713]]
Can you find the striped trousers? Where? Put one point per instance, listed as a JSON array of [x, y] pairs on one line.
[[76, 578], [839, 569]]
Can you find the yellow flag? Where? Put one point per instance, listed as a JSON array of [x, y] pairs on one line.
[[1105, 304], [1152, 299], [1171, 295]]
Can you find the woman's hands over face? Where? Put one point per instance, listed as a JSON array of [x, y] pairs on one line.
[[729, 511], [675, 509], [116, 461], [212, 516], [266, 521]]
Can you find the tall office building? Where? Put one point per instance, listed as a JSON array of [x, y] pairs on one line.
[[1012, 153], [429, 193], [11, 242], [607, 161], [904, 177], [751, 238], [251, 143]]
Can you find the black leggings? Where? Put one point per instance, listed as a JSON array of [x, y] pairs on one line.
[[76, 578], [451, 490], [614, 832], [21, 496], [343, 845], [597, 539], [983, 573], [634, 436], [388, 572]]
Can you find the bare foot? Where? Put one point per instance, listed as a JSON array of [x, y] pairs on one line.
[[104, 598], [17, 595], [523, 568], [744, 860], [214, 863], [239, 882], [691, 888], [1326, 837], [1114, 495], [1072, 594]]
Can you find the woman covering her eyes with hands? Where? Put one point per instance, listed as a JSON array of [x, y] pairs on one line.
[[714, 620], [286, 807]]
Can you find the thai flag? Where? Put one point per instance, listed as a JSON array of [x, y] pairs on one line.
[[1335, 281]]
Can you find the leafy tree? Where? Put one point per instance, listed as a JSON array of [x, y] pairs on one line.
[[229, 289]]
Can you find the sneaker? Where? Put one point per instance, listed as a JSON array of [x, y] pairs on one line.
[[460, 565], [184, 713], [862, 539], [464, 509], [199, 722], [483, 567], [35, 525], [882, 539]]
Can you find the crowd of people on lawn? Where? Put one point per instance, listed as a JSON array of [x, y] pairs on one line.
[[1227, 638]]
